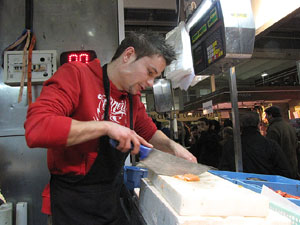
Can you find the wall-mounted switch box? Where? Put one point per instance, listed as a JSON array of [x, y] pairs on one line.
[[43, 66]]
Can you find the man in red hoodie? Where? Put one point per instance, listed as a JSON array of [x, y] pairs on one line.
[[78, 110]]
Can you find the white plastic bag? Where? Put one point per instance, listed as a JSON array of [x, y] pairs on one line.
[[180, 71]]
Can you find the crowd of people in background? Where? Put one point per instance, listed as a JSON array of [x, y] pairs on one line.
[[207, 148], [260, 154], [276, 153]]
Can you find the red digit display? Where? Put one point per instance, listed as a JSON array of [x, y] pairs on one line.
[[84, 58], [72, 57], [77, 56]]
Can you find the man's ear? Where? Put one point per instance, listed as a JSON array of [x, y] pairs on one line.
[[128, 53]]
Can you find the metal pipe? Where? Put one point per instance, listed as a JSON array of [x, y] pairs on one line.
[[235, 121], [121, 20]]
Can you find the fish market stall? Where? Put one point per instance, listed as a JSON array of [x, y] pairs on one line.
[[211, 200]]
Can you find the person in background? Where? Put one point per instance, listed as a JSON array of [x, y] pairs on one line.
[[227, 134], [194, 135], [187, 134], [166, 130], [259, 154], [79, 109], [157, 124], [214, 126], [285, 135], [207, 148], [203, 125], [162, 127], [227, 123]]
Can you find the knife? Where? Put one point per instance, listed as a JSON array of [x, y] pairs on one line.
[[163, 163]]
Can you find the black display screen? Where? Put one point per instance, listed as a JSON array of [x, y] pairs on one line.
[[207, 39], [199, 58]]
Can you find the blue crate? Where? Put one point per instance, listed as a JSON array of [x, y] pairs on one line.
[[274, 182], [244, 176], [253, 187], [133, 175]]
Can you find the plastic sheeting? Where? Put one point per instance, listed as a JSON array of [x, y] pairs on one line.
[[180, 71]]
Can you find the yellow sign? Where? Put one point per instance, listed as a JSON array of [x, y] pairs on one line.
[[184, 117]]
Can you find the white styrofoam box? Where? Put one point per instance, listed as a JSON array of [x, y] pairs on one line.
[[43, 66], [211, 196], [157, 211], [21, 213]]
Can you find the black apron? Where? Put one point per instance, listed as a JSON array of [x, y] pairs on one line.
[[93, 199]]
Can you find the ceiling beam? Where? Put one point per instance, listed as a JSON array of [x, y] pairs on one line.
[[285, 54]]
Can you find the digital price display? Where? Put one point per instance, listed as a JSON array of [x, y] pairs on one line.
[[77, 56], [214, 46], [207, 38]]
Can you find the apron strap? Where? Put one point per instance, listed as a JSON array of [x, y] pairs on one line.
[[106, 85]]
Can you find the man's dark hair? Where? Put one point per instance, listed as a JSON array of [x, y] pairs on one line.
[[204, 119], [146, 44], [249, 119], [274, 111]]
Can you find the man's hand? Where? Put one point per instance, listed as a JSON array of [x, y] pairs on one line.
[[89, 130], [181, 152], [160, 141], [126, 137]]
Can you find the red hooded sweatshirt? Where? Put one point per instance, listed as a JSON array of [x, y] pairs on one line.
[[76, 91]]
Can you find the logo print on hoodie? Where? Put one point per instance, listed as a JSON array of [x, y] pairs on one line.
[[117, 110]]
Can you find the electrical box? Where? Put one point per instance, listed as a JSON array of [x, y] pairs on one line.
[[43, 66]]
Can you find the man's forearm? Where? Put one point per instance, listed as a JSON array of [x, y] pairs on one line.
[[85, 131], [162, 142], [81, 132]]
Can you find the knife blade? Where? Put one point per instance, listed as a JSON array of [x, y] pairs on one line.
[[163, 163]]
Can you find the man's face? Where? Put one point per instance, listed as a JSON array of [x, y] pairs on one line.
[[141, 73], [202, 126]]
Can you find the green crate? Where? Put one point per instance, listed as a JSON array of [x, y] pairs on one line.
[[294, 217]]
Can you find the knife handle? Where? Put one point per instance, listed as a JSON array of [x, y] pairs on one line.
[[144, 151], [113, 143]]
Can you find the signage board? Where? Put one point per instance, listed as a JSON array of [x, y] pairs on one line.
[[207, 107]]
